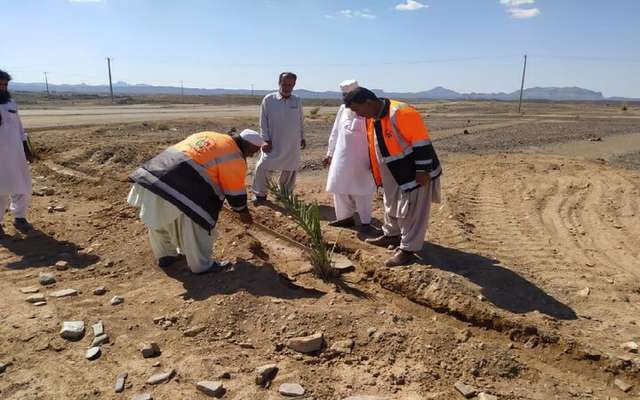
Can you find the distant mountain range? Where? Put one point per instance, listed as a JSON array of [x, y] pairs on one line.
[[437, 93]]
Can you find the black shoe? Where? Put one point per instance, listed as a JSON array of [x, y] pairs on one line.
[[343, 223], [22, 225], [401, 257], [216, 267], [164, 262], [368, 230], [384, 241], [1, 232], [259, 200]]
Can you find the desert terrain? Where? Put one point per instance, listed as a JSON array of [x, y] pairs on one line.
[[528, 285]]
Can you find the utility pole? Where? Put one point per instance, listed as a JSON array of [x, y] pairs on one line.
[[252, 90], [46, 83], [524, 71], [181, 89], [110, 83]]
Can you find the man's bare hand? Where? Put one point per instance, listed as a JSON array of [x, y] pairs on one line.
[[246, 218], [326, 161], [423, 178], [267, 147], [303, 144]]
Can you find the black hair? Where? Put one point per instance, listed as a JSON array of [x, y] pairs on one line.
[[283, 74], [4, 76], [359, 96]]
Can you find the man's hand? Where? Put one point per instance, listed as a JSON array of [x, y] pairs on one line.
[[423, 178], [267, 147], [245, 217], [326, 161], [303, 144]]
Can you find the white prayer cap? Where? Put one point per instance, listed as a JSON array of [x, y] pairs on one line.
[[348, 85], [252, 137]]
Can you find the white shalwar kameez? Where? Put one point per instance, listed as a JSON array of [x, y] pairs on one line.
[[350, 178], [15, 176], [171, 232]]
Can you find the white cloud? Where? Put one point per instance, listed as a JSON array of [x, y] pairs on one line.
[[513, 8], [524, 13], [364, 13], [516, 3], [412, 5]]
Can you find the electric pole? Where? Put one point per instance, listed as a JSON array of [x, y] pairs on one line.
[[524, 71], [46, 83], [110, 83], [252, 90], [181, 89]]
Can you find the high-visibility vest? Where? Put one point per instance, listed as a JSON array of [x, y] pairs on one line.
[[197, 175], [405, 145]]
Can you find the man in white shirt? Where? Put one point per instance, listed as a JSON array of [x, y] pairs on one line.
[[350, 179], [15, 176], [281, 120]]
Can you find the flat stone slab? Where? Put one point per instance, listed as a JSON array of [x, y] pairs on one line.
[[266, 373], [291, 390], [342, 264], [210, 388], [99, 291], [29, 290], [144, 396], [121, 379], [64, 293], [194, 331], [93, 353], [161, 377], [72, 330], [622, 385], [306, 344], [46, 279], [36, 298], [62, 265], [465, 390], [343, 346], [100, 340], [487, 396], [98, 328], [40, 303]]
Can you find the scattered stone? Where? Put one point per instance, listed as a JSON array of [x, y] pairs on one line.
[[622, 385], [93, 353], [46, 279], [265, 374], [99, 291], [117, 300], [224, 375], [342, 264], [463, 336], [121, 379], [29, 290], [584, 292], [162, 377], [36, 298], [64, 293], [192, 332], [631, 347], [3, 367], [62, 265], [465, 390], [343, 346], [151, 350], [72, 330], [98, 329], [144, 396], [210, 388], [291, 390], [59, 208], [487, 396], [306, 344], [40, 303], [100, 340]]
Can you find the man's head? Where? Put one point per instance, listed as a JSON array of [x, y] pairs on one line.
[[363, 102], [251, 142], [286, 83], [5, 96]]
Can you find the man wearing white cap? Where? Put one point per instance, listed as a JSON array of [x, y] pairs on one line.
[[180, 193], [350, 179]]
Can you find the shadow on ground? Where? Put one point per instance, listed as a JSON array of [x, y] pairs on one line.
[[259, 280], [501, 286], [38, 249]]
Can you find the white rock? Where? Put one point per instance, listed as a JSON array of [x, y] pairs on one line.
[[486, 396], [36, 298], [342, 346], [62, 265], [150, 350], [622, 385], [64, 293], [117, 300], [266, 373], [210, 388], [98, 328], [306, 344], [584, 292], [100, 340], [72, 330], [291, 390], [144, 396], [93, 353], [99, 291], [46, 279], [631, 347], [162, 377], [465, 390], [29, 290]]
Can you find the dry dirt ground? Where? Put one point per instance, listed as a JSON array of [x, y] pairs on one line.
[[526, 288]]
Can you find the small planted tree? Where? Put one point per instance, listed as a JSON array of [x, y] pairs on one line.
[[307, 216]]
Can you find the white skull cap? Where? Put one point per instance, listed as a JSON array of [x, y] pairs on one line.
[[252, 137], [348, 85]]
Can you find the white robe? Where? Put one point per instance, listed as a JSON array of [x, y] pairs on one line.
[[350, 170], [15, 176]]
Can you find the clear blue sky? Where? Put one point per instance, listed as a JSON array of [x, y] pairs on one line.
[[464, 45]]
